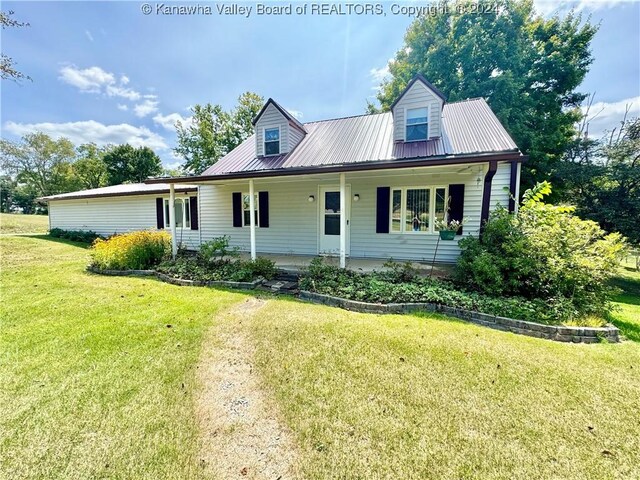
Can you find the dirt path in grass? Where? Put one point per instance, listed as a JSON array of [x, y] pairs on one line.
[[242, 436]]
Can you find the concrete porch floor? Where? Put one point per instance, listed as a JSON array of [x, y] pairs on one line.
[[297, 263]]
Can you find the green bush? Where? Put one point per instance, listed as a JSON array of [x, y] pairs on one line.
[[235, 270], [544, 252], [74, 235], [217, 248], [131, 251], [388, 287]]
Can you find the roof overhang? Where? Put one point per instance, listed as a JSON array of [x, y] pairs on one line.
[[511, 156], [55, 198]]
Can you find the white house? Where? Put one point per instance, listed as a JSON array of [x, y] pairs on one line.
[[363, 186]]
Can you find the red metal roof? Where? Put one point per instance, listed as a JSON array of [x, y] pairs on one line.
[[468, 127]]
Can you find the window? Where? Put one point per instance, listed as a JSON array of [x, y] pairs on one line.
[[246, 219], [414, 209], [182, 212], [417, 125], [272, 141]]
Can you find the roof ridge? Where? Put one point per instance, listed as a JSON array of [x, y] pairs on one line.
[[348, 116], [466, 100]]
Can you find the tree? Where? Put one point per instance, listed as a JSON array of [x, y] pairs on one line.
[[213, 132], [89, 167], [525, 66], [40, 163], [7, 191], [125, 164], [7, 64]]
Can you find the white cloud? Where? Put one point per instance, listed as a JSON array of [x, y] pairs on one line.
[[92, 131], [128, 93], [89, 36], [145, 108], [551, 7], [122, 107], [168, 122], [97, 80], [91, 79], [605, 116], [379, 74], [296, 113]]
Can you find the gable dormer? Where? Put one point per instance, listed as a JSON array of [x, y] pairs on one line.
[[417, 112], [277, 131]]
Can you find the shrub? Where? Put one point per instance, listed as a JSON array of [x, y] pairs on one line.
[[262, 267], [544, 252], [217, 248], [131, 251], [74, 235], [236, 270]]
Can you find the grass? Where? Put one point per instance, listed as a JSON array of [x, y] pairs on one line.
[[17, 223], [95, 384], [627, 314]]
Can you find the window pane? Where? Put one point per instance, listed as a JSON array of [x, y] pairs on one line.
[[332, 202], [246, 219], [441, 203], [396, 211], [416, 115], [417, 210], [331, 224], [178, 212], [272, 134], [245, 209], [187, 213], [417, 132], [271, 148]]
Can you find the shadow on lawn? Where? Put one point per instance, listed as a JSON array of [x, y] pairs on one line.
[[49, 238]]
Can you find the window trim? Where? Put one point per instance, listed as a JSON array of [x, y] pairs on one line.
[[256, 204], [406, 116], [264, 140], [185, 201], [403, 208]]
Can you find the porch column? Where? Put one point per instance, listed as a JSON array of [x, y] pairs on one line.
[[343, 222], [172, 220], [252, 220]]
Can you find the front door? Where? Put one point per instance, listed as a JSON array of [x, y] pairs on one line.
[[330, 220]]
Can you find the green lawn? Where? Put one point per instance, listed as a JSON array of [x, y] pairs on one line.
[[95, 385], [17, 223]]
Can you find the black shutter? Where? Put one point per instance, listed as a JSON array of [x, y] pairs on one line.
[[263, 209], [193, 211], [159, 213], [382, 210], [456, 207], [237, 209]]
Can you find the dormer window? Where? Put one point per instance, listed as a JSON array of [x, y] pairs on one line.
[[272, 141], [417, 126]]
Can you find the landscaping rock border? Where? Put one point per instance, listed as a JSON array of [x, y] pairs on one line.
[[177, 281], [558, 333]]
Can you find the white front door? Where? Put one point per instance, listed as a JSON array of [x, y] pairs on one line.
[[330, 220]]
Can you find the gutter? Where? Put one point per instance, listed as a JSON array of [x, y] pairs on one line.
[[121, 194]]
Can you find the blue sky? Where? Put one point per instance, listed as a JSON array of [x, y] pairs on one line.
[[105, 72]]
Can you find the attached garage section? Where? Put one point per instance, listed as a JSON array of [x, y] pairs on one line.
[[126, 208]]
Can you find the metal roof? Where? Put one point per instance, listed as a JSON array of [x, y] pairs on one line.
[[124, 189], [468, 127]]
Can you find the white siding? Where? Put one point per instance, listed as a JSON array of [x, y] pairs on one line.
[[109, 215], [272, 118], [293, 220], [500, 194], [416, 97], [295, 137]]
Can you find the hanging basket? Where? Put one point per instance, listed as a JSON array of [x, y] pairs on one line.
[[447, 234]]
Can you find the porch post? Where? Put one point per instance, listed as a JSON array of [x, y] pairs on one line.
[[343, 222], [252, 220], [172, 220]]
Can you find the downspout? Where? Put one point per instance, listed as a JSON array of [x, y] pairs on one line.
[[486, 193], [199, 218]]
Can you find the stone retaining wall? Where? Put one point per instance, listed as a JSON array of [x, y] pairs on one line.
[[551, 332], [177, 281]]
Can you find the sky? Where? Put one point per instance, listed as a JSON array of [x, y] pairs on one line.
[[106, 72]]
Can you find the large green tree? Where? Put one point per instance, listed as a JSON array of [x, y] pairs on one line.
[[214, 132], [41, 163], [89, 167], [525, 66], [126, 164]]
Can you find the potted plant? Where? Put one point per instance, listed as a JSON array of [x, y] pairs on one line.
[[448, 229]]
